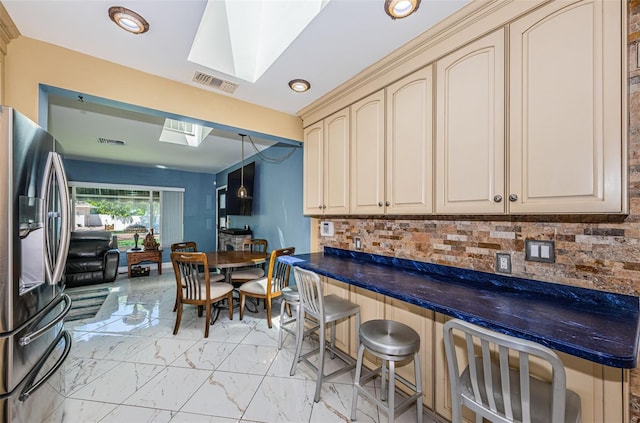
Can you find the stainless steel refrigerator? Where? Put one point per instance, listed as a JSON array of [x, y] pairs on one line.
[[34, 240]]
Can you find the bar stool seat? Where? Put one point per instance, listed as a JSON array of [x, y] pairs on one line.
[[392, 342]]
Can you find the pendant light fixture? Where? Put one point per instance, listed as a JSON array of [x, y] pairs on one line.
[[242, 191]]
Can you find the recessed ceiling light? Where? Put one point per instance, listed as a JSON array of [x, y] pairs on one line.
[[299, 85], [128, 20], [398, 9]]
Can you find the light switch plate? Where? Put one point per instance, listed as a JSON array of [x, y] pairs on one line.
[[326, 229], [541, 251]]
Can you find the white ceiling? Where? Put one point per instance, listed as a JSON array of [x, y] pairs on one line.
[[345, 38]]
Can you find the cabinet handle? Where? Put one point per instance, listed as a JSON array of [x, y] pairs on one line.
[[380, 204], [513, 197], [324, 206], [320, 206], [497, 198], [387, 204]]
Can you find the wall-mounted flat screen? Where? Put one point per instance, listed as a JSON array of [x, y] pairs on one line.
[[235, 205]]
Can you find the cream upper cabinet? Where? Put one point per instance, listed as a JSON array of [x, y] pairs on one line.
[[313, 158], [409, 147], [326, 166], [392, 172], [367, 155], [566, 152], [470, 141]]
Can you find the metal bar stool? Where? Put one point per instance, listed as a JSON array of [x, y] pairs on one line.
[[291, 296], [392, 342], [327, 310], [495, 390]]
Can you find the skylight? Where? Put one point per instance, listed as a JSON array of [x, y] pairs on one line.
[[183, 133], [244, 38]]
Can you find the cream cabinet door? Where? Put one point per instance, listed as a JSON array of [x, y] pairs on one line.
[[313, 188], [566, 97], [422, 321], [603, 390], [367, 155], [336, 163], [326, 166], [470, 143], [409, 144]]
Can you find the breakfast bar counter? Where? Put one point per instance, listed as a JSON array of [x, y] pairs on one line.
[[595, 325]]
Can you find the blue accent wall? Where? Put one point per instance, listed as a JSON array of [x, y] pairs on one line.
[[199, 194], [277, 204], [277, 201]]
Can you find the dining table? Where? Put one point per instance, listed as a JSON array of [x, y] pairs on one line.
[[226, 261]]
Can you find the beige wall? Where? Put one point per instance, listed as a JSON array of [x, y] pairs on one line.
[[30, 62]]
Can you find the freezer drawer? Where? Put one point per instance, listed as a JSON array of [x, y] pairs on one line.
[[30, 360]]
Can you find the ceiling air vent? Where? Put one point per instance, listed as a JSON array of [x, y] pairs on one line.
[[213, 82], [110, 141]]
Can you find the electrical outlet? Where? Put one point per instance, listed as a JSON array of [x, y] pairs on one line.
[[542, 251], [503, 263], [358, 243]]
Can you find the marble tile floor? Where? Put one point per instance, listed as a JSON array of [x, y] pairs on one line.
[[126, 365]]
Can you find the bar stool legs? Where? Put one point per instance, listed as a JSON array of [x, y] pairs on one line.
[[289, 297], [392, 342]]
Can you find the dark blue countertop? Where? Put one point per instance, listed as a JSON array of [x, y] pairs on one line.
[[595, 325]]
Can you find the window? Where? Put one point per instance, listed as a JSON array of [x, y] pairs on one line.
[[127, 210]]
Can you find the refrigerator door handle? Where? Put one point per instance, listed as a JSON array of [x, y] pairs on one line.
[[32, 386], [54, 169], [30, 337]]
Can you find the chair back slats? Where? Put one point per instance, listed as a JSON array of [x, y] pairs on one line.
[[194, 284], [473, 369], [525, 395], [489, 386], [506, 382], [278, 274], [255, 245], [310, 291], [187, 246]]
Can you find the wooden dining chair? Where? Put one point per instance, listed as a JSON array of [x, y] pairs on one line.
[[269, 287], [191, 247], [195, 287], [253, 272]]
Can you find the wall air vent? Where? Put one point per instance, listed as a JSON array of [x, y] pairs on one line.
[[110, 141], [213, 82]]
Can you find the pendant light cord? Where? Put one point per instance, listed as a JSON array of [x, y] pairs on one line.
[[242, 166], [271, 159]]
